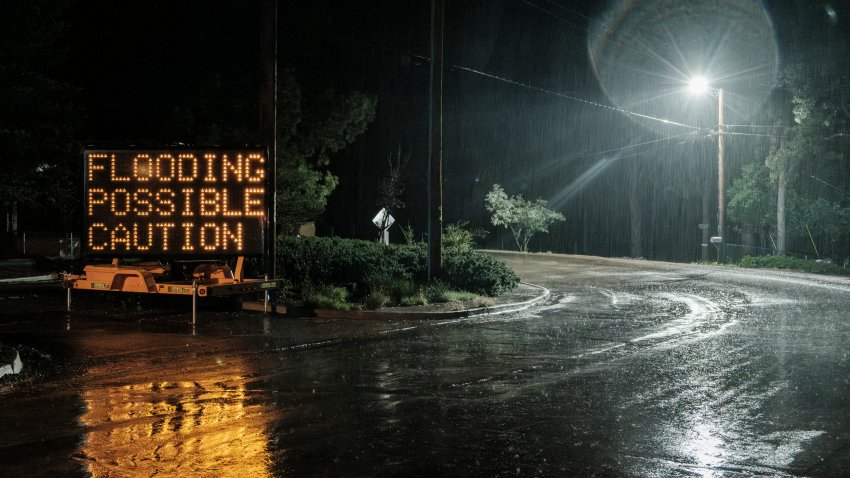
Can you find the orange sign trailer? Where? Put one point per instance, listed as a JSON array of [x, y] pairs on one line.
[[208, 280], [133, 199]]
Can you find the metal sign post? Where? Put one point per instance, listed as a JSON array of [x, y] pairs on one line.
[[194, 301]]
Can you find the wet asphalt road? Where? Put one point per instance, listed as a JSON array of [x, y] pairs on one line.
[[631, 368]]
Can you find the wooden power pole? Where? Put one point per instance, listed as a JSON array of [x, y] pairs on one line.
[[268, 120], [435, 145]]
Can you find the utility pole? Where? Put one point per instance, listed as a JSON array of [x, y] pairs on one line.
[[435, 145], [706, 218], [268, 121], [721, 183]]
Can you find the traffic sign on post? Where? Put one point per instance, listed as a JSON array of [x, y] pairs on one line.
[[383, 220]]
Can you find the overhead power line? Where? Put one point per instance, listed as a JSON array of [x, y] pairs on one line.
[[575, 98], [832, 186], [751, 126], [635, 145]]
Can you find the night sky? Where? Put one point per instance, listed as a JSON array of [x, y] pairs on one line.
[[524, 106]]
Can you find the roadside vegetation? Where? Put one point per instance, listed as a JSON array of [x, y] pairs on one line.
[[344, 274], [524, 217], [791, 263]]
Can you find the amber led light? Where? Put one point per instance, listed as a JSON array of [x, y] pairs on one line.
[[175, 202]]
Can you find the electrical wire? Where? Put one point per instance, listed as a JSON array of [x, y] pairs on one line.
[[750, 126], [760, 135], [830, 185], [538, 7], [574, 98], [627, 46], [630, 146]]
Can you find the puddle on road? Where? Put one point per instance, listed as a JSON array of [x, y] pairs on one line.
[[209, 426]]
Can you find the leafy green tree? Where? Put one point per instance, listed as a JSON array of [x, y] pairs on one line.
[[302, 195], [820, 113], [752, 199], [825, 220], [800, 145], [523, 217], [312, 128]]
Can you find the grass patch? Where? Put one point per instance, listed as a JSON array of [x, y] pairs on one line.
[[794, 264], [418, 298], [460, 296], [327, 297], [440, 292], [484, 302]]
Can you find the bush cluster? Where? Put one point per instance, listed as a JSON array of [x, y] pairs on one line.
[[479, 273], [334, 260], [384, 275], [791, 263]]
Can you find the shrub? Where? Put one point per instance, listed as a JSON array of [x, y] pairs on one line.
[[791, 263], [460, 296], [396, 270], [376, 299], [395, 284], [408, 234], [333, 260], [479, 273], [412, 258], [437, 291], [484, 302], [417, 298], [326, 297], [459, 238]]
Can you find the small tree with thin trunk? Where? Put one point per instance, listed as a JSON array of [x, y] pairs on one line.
[[523, 217], [391, 188]]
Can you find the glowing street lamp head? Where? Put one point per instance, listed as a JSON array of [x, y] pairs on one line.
[[698, 85]]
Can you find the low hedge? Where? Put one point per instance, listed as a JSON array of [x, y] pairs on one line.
[[311, 261], [334, 260], [477, 272], [791, 263]]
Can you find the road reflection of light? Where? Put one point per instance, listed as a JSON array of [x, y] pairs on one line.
[[207, 427], [704, 446]]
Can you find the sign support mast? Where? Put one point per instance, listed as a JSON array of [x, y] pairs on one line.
[[268, 125], [435, 145]]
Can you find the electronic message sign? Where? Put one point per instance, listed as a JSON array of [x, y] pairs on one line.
[[175, 202]]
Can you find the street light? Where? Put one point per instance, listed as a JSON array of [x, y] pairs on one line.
[[700, 85]]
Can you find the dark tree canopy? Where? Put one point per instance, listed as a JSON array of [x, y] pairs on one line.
[[311, 129], [38, 120]]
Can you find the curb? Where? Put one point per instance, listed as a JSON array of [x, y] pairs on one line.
[[10, 361], [260, 307], [454, 314], [42, 279]]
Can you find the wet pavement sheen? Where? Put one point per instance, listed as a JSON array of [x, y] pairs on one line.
[[631, 368]]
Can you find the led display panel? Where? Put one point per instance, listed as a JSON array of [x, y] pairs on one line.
[[175, 202]]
